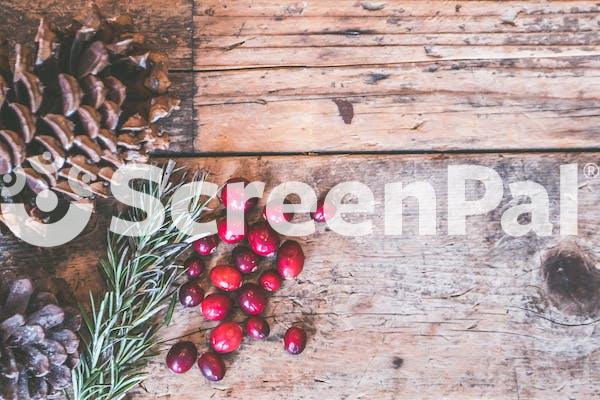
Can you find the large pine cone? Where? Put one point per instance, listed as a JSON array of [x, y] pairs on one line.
[[85, 105], [38, 340]]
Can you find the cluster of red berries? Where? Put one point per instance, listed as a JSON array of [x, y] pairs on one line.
[[252, 298]]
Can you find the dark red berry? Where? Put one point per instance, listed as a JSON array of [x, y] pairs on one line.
[[226, 337], [230, 232], [290, 259], [252, 299], [190, 294], [182, 357], [216, 307], [294, 340], [257, 328], [270, 281], [226, 278], [212, 366], [234, 198], [262, 239], [194, 267], [277, 216], [324, 211], [245, 260], [207, 245]]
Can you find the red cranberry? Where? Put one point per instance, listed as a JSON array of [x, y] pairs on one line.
[[245, 260], [257, 328], [234, 198], [277, 216], [194, 267], [294, 340], [226, 337], [216, 307], [182, 357], [324, 211], [207, 245], [252, 299], [262, 239], [226, 278], [230, 233], [190, 294], [211, 366], [270, 281], [290, 259]]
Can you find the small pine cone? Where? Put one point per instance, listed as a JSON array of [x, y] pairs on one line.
[[80, 104], [38, 340]]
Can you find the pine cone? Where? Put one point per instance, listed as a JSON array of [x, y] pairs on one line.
[[38, 340], [83, 107]]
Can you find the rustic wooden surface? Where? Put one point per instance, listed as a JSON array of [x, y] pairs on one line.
[[420, 317], [389, 317], [351, 75]]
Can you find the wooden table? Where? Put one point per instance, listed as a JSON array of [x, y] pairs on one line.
[[379, 91]]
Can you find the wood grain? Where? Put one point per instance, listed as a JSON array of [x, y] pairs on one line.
[[388, 8], [180, 124], [511, 104], [429, 317], [412, 76], [331, 33], [412, 316]]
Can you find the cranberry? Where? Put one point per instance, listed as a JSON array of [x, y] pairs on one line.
[[194, 267], [277, 216], [290, 259], [226, 278], [182, 357], [262, 239], [226, 337], [190, 294], [216, 307], [324, 211], [212, 366], [294, 340], [252, 299], [207, 245], [257, 328], [245, 260], [270, 281], [230, 233], [234, 198]]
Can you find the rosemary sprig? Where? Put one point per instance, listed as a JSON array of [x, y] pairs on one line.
[[140, 280]]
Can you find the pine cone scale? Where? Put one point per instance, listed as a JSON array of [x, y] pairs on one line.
[[20, 292], [39, 347], [71, 93]]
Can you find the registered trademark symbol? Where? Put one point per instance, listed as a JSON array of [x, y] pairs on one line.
[[591, 170]]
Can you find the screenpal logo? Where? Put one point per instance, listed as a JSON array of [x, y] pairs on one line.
[[362, 201]]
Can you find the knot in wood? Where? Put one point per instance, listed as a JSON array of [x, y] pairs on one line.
[[572, 281]]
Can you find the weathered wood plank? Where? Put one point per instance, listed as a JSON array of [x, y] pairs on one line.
[[556, 39], [408, 76], [395, 316], [330, 33], [317, 56], [167, 25], [180, 124], [418, 317], [407, 8], [538, 78], [516, 104]]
